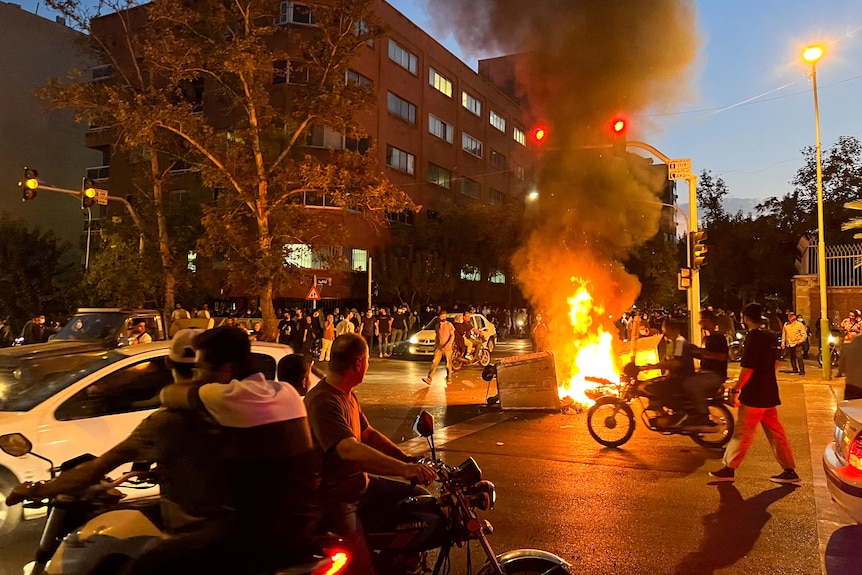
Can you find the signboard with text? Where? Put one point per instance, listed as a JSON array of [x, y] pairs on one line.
[[679, 169]]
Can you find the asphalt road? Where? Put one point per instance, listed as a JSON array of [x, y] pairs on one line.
[[646, 508]]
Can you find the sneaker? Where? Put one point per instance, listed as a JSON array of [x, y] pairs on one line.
[[427, 380], [786, 476], [723, 474], [381, 355]]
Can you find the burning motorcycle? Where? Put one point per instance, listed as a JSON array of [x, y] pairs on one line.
[[97, 533], [427, 522], [611, 420]]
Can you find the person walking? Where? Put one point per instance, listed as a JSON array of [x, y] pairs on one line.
[[757, 398], [328, 337], [383, 323], [445, 343], [399, 325], [793, 335], [368, 329]]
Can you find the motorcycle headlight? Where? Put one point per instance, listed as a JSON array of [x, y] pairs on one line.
[[482, 495], [738, 335], [831, 339]]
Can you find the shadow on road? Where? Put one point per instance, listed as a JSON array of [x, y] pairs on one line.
[[842, 551], [731, 531]]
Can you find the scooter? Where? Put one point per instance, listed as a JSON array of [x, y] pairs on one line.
[[96, 533], [449, 519]]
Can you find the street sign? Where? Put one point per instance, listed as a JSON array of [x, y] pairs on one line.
[[102, 197], [313, 294], [679, 169], [324, 281]]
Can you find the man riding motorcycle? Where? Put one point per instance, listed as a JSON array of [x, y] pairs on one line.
[[353, 456], [675, 360], [713, 372]]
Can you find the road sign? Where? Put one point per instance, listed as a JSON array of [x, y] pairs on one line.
[[102, 197], [313, 294], [324, 281], [679, 169]]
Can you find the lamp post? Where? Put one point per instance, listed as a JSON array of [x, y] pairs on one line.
[[812, 54]]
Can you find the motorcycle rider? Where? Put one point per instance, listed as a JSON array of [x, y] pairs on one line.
[[675, 360], [194, 497], [713, 373], [353, 457], [472, 337]]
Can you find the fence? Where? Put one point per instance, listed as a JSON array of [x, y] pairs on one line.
[[842, 264]]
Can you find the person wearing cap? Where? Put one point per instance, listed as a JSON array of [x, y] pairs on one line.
[[758, 399], [793, 335], [183, 444]]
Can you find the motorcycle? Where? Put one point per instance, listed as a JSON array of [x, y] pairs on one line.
[[834, 351], [735, 345], [427, 522], [97, 533], [611, 420], [482, 355]]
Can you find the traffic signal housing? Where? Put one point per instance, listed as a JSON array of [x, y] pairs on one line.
[[618, 135], [538, 135], [88, 194], [696, 241], [29, 184]]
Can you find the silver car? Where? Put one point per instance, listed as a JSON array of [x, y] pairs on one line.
[[842, 459]]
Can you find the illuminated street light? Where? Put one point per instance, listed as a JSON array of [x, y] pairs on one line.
[[812, 54], [533, 196]]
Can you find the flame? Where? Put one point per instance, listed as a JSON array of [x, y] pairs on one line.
[[590, 351]]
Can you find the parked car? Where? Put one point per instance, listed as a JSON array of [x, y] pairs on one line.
[[421, 344], [842, 459], [82, 402], [110, 327]]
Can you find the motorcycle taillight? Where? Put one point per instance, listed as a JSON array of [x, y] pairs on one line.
[[854, 453], [337, 562]]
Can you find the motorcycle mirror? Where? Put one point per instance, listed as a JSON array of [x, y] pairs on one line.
[[15, 444], [424, 424]]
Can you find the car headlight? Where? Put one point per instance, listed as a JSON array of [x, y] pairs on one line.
[[414, 339]]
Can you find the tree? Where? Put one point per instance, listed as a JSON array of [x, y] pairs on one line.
[[37, 271], [414, 275], [134, 286], [253, 150]]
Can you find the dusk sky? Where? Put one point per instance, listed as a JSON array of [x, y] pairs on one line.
[[752, 109]]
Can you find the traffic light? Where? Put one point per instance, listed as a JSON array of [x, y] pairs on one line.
[[88, 194], [696, 241], [618, 135], [29, 184], [683, 279], [538, 134]]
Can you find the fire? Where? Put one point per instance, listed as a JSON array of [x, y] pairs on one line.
[[590, 351]]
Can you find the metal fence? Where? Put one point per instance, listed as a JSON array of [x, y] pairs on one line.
[[842, 264]]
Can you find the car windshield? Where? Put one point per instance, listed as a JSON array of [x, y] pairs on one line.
[[93, 325], [28, 380]]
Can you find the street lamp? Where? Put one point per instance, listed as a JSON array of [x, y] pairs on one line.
[[812, 54]]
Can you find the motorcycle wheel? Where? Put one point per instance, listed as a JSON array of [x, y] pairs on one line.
[[9, 516], [457, 361], [492, 343], [610, 421], [734, 353], [719, 413], [484, 357], [529, 566]]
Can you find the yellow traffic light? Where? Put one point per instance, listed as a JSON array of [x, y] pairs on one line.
[[698, 249], [88, 194], [29, 184]]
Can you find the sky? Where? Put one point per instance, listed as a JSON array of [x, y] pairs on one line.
[[751, 112]]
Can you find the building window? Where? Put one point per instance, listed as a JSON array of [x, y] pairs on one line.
[[470, 188], [439, 176], [471, 103], [102, 72], [359, 260], [518, 171], [440, 128], [496, 196], [294, 13], [498, 121], [432, 215], [498, 160], [440, 82], [400, 160], [403, 57], [359, 146], [401, 108], [405, 217], [470, 273], [471, 145], [497, 277], [324, 137], [519, 136], [357, 78], [180, 195], [298, 255]]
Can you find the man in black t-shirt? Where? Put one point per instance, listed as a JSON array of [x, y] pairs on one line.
[[713, 372], [758, 399]]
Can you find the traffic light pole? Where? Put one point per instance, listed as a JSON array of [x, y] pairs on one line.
[[124, 201], [692, 294]]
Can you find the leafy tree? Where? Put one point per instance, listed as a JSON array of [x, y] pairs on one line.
[[132, 286], [38, 269], [414, 275], [654, 263]]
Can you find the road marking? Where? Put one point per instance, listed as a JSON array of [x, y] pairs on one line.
[[419, 446]]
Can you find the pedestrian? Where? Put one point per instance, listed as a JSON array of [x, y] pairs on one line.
[[850, 364], [539, 333], [204, 312], [328, 337], [179, 313], [345, 325], [32, 330], [793, 335], [384, 332], [368, 329], [758, 399], [445, 332], [285, 329], [399, 325]]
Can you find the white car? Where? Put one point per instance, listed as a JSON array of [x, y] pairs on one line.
[[842, 459], [422, 343], [87, 401]]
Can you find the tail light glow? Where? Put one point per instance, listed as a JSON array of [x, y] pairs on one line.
[[854, 453]]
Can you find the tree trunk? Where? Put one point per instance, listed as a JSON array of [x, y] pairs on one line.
[[267, 310], [164, 238]]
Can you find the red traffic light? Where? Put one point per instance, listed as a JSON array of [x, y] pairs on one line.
[[538, 134], [618, 126]]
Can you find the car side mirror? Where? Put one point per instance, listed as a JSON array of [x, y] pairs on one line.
[[15, 444], [424, 424]]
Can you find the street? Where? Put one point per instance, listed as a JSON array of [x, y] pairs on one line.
[[646, 508]]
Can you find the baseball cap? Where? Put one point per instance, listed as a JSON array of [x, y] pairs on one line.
[[182, 350]]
